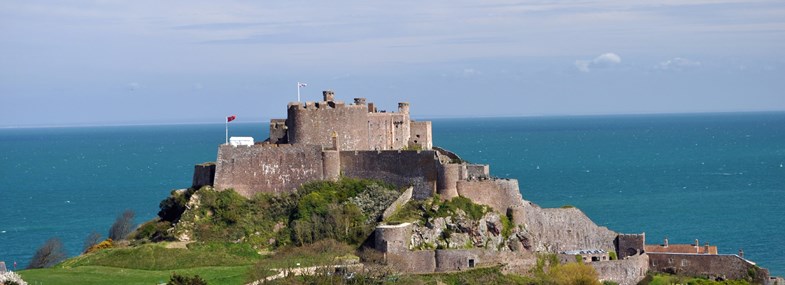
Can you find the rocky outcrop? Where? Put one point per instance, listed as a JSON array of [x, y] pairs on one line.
[[563, 229]]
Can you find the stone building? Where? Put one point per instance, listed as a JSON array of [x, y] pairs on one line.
[[330, 139]]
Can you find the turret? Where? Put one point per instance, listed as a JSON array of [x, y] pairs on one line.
[[403, 107], [328, 95]]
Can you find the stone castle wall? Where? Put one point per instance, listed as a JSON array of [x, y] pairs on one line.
[[204, 174], [267, 168], [421, 134], [499, 194], [558, 229], [710, 265], [357, 126], [625, 272], [402, 168], [630, 245]]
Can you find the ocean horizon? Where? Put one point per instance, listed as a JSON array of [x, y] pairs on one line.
[[715, 177]]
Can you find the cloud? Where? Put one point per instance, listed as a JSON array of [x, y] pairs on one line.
[[133, 86], [604, 60], [677, 63]]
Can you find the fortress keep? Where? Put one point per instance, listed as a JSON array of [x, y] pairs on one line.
[[330, 139]]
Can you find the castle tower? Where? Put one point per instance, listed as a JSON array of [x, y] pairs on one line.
[[328, 95], [403, 107]]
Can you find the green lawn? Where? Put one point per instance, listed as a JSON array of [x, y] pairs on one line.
[[217, 263], [88, 275]]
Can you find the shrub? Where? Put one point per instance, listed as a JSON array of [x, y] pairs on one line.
[[91, 240], [177, 279], [49, 254], [612, 255], [108, 243], [123, 225], [574, 274]]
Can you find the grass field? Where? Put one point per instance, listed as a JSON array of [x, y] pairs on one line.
[[88, 275], [217, 263]]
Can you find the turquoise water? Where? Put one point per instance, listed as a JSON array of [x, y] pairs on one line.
[[714, 177]]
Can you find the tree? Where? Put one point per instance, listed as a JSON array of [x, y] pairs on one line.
[[123, 225], [91, 240], [51, 253]]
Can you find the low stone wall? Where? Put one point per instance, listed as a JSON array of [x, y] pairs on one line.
[[625, 272], [499, 194], [417, 261], [727, 266], [558, 229], [457, 259]]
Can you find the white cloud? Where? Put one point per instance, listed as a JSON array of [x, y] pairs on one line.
[[605, 60], [677, 63]]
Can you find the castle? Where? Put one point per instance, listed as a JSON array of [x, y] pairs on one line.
[[330, 139]]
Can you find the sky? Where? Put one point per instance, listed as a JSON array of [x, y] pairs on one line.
[[149, 62]]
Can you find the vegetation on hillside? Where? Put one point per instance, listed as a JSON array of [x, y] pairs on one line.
[[435, 207], [344, 210]]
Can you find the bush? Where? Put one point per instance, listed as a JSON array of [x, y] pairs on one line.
[[574, 274], [123, 225], [108, 243], [177, 279], [91, 240], [612, 255], [49, 254]]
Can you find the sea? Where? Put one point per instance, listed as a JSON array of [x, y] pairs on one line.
[[718, 178]]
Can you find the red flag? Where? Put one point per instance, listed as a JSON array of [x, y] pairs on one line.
[[231, 118]]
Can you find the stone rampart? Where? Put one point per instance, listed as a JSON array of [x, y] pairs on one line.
[[499, 194], [268, 168], [727, 266], [402, 168], [563, 229], [625, 272], [204, 174], [357, 127]]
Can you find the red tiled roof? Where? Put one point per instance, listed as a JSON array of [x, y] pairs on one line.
[[680, 248]]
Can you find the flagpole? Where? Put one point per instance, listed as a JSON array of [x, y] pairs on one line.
[[298, 91], [226, 123]]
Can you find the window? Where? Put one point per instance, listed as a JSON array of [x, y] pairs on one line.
[[471, 263]]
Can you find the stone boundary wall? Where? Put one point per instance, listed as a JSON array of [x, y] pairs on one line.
[[625, 272], [499, 194], [267, 168], [728, 266], [558, 229], [405, 197], [417, 261], [401, 168]]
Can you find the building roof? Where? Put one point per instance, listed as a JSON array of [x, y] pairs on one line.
[[681, 248]]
